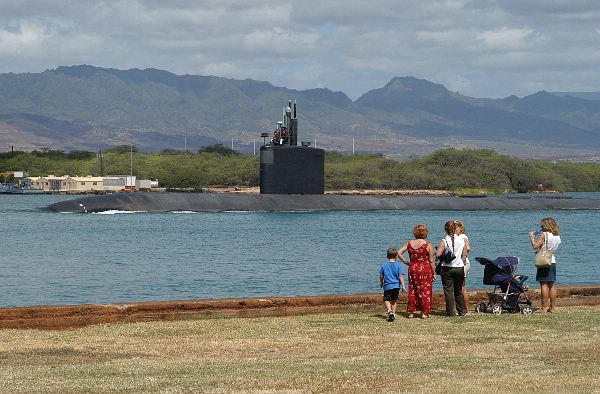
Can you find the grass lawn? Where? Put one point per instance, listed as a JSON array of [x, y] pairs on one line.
[[349, 352]]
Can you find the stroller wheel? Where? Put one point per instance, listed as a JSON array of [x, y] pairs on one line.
[[480, 307], [527, 310], [497, 309]]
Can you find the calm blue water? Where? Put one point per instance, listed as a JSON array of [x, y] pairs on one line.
[[51, 258]]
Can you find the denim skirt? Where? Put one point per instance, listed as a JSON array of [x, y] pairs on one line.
[[546, 274]]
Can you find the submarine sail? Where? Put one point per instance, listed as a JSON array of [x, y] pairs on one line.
[[285, 167]]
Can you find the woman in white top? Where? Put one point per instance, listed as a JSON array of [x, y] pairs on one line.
[[453, 271], [550, 239], [460, 232]]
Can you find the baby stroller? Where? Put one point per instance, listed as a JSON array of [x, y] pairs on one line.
[[508, 286]]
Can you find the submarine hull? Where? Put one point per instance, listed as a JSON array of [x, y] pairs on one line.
[[209, 202]]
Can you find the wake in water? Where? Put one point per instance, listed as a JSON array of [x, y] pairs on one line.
[[115, 212]]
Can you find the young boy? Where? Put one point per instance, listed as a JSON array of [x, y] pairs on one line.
[[391, 278]]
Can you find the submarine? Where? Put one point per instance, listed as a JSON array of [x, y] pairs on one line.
[[292, 179]]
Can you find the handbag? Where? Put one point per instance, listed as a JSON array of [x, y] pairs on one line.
[[543, 257], [438, 267], [448, 256]]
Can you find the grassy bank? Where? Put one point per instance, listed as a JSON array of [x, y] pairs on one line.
[[467, 171], [352, 352]]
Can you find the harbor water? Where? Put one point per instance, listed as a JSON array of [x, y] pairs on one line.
[[50, 258]]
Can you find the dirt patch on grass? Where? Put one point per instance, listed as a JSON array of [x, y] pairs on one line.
[[68, 316]]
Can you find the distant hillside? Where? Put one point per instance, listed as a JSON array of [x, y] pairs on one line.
[[581, 95], [86, 107]]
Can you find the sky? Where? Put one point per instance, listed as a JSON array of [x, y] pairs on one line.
[[478, 48]]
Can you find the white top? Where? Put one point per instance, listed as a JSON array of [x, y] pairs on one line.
[[459, 245], [467, 262], [553, 241]]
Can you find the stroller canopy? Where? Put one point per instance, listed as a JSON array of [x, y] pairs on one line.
[[499, 271]]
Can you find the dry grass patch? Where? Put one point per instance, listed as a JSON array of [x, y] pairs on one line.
[[354, 352]]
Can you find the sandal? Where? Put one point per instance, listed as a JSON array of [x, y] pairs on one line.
[[410, 316], [425, 316]]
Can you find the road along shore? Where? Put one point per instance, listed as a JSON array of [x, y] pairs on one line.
[[71, 316]]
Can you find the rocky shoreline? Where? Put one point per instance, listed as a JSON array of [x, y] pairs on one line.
[[71, 316]]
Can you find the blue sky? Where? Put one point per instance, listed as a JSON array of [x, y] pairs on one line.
[[478, 48]]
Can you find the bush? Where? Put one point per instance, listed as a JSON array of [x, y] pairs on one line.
[[447, 169]]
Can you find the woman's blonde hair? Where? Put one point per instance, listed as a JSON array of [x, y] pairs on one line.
[[420, 231], [459, 224], [549, 225]]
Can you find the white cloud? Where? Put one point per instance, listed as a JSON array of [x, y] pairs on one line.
[[486, 49], [505, 38], [26, 38], [443, 38]]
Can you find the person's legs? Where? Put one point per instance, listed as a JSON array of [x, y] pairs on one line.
[[448, 286], [458, 276], [545, 295], [553, 294], [390, 297], [388, 306], [411, 302], [464, 289], [427, 286], [394, 301]]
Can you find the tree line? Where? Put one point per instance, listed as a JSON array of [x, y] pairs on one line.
[[458, 170]]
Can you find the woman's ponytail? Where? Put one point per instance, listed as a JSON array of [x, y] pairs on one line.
[[450, 228]]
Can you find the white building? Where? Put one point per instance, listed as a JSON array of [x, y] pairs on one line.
[[90, 184]]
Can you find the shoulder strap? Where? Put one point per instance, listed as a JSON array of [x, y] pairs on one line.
[[447, 246]]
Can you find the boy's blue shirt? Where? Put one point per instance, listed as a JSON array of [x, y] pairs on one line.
[[391, 271]]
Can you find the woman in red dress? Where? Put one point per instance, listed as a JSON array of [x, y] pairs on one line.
[[421, 272]]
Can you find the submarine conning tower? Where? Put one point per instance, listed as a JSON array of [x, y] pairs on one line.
[[285, 167]]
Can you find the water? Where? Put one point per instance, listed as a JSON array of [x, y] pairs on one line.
[[52, 258]]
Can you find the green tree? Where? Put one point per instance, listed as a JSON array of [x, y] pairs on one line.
[[218, 148]]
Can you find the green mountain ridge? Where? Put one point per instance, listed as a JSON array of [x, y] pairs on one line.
[[86, 107]]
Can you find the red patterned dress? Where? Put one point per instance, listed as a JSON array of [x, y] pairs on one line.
[[420, 280]]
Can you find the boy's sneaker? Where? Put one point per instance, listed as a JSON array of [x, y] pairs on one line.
[[391, 316]]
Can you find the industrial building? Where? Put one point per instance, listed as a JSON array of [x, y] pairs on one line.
[[90, 184]]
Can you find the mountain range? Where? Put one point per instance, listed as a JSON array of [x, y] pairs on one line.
[[86, 108]]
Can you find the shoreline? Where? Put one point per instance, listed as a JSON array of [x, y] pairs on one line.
[[72, 316]]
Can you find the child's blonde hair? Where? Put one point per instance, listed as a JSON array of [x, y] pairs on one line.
[[392, 253]]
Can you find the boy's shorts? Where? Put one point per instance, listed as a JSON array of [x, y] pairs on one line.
[[391, 294]]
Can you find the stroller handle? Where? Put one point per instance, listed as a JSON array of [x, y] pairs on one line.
[[484, 261]]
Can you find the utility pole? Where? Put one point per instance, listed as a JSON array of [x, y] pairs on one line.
[[131, 161], [101, 157], [352, 146]]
